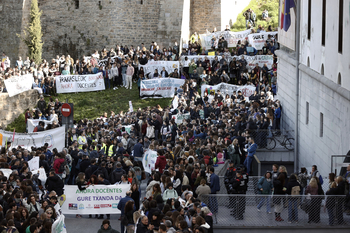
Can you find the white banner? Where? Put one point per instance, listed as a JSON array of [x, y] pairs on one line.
[[97, 199], [160, 87], [260, 59], [232, 38], [58, 226], [54, 138], [80, 83], [180, 117], [251, 60], [247, 90], [151, 66], [257, 40], [149, 160], [18, 84], [32, 123], [33, 164]]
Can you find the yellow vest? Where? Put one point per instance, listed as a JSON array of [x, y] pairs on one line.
[[110, 150], [83, 140]]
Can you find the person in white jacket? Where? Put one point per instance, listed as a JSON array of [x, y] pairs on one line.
[[150, 131]]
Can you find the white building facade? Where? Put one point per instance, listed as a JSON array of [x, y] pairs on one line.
[[323, 91]]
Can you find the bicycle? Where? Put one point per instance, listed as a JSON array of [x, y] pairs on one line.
[[288, 143]]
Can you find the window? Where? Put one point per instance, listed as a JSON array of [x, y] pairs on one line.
[[340, 33], [322, 69], [308, 61], [321, 124], [76, 4], [307, 113], [141, 2], [309, 20], [339, 79], [323, 22]]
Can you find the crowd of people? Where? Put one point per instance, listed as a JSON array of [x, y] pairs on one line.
[[109, 149]]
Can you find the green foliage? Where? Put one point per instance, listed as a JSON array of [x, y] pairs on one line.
[[18, 124], [258, 6], [33, 34], [93, 104]]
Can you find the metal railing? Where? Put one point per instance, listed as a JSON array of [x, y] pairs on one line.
[[271, 139], [253, 185], [276, 210]]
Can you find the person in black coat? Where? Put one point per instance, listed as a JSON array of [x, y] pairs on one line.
[[293, 201], [54, 183], [331, 202], [143, 226], [279, 189]]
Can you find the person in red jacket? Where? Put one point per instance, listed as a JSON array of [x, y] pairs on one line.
[[161, 161], [58, 161]]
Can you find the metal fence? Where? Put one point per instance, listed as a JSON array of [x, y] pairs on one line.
[[277, 210], [253, 185], [270, 139]]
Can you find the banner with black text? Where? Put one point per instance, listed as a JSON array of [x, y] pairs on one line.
[[247, 90], [80, 83]]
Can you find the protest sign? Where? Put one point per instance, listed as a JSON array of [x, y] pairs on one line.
[[18, 84], [33, 163], [96, 199], [32, 123], [41, 175], [232, 38], [58, 225], [257, 40], [247, 90], [79, 83], [53, 137], [6, 171], [149, 160], [180, 117], [151, 66], [160, 87]]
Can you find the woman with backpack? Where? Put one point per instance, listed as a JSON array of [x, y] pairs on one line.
[[265, 187], [303, 177], [293, 189]]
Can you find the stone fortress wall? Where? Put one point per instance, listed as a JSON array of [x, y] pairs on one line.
[[78, 27]]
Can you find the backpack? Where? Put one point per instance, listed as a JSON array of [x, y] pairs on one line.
[[321, 179], [62, 167], [77, 166], [295, 190]]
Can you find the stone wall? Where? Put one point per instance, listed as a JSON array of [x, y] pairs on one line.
[[67, 30], [12, 107], [205, 14], [14, 17]]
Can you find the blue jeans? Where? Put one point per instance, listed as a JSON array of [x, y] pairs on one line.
[[293, 209], [248, 21], [262, 201], [247, 163], [330, 215]]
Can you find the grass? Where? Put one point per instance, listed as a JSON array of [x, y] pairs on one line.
[[91, 105], [258, 6]]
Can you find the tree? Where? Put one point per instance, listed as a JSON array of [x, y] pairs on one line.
[[258, 6], [33, 34]]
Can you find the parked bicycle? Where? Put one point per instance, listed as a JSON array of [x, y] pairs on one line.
[[286, 141]]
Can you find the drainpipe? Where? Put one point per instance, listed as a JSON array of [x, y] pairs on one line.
[[297, 50]]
